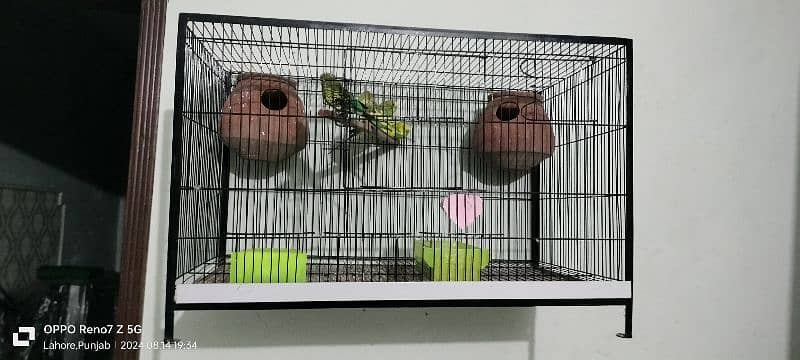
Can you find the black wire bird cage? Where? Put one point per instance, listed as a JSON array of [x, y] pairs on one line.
[[338, 165]]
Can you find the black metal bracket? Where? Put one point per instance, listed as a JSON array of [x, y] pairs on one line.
[[628, 322]]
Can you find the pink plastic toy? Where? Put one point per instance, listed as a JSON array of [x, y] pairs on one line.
[[462, 209]]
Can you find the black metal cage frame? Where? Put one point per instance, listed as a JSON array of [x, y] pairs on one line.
[[209, 230]]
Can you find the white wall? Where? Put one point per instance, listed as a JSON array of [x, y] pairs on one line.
[[717, 86]]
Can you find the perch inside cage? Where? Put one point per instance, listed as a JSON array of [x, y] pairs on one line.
[[264, 118], [514, 130], [364, 114]]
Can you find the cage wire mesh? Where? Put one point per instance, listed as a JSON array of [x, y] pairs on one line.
[[352, 209]]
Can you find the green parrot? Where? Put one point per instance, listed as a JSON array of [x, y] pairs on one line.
[[364, 106], [336, 96], [384, 110]]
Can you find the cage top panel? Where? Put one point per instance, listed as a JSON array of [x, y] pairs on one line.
[[467, 60], [244, 20]]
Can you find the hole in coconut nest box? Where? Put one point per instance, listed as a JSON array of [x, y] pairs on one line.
[[274, 99], [507, 111]]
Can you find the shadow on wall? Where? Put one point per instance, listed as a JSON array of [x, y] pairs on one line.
[[237, 328], [794, 302]]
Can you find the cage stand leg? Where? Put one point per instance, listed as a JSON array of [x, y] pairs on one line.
[[628, 323]]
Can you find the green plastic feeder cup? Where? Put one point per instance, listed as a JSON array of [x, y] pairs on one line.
[[268, 266], [443, 260]]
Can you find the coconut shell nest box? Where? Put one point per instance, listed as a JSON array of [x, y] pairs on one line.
[[514, 130], [263, 118]]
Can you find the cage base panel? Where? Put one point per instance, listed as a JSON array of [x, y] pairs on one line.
[[396, 270], [402, 291], [400, 304]]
